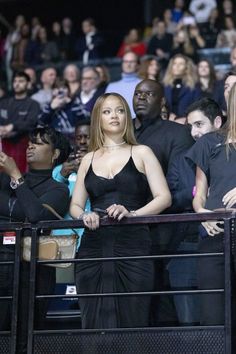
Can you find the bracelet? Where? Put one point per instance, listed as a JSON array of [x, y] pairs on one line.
[[133, 212]]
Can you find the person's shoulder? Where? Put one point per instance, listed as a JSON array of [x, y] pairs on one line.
[[142, 150], [37, 94], [174, 126], [211, 138], [31, 101], [8, 100], [112, 85], [54, 184], [86, 160]]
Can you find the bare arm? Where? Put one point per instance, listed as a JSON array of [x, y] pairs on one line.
[[157, 183], [199, 201], [80, 194]]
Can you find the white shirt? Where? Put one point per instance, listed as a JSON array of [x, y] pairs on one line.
[[88, 39], [85, 97], [201, 9]]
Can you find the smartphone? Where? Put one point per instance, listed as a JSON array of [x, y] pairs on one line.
[[71, 157], [61, 93]]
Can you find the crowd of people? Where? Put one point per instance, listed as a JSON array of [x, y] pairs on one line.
[[159, 140]]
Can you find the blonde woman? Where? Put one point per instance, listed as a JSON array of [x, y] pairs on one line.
[[180, 86], [117, 176], [215, 157]]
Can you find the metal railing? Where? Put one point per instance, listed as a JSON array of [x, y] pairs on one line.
[[164, 340], [8, 337]]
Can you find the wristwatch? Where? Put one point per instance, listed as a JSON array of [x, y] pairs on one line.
[[15, 183]]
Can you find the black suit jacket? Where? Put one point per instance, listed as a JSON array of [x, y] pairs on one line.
[[167, 139]]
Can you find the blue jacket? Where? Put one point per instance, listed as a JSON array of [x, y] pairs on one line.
[[70, 182], [186, 97]]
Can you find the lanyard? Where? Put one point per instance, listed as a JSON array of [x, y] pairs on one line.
[[11, 204]]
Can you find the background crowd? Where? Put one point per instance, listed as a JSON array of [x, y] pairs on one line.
[[53, 77]]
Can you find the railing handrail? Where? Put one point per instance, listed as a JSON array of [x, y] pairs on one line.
[[150, 219], [20, 229]]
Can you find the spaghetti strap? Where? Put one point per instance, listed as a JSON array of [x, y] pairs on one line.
[[92, 158], [131, 149]]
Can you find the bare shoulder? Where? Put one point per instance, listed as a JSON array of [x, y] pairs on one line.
[[143, 150], [86, 160]]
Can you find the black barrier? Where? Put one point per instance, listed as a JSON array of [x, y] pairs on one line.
[[163, 340], [8, 337]]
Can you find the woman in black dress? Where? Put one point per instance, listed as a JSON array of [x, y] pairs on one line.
[[215, 157], [117, 176]]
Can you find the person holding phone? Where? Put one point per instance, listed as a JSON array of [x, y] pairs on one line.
[[22, 198], [63, 112]]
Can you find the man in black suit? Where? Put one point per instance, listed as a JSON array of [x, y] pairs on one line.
[[168, 140]]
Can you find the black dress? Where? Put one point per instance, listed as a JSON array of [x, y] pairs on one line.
[[130, 188]]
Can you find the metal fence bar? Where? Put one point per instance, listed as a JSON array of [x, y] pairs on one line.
[[134, 293], [32, 290], [145, 329], [229, 228], [133, 258], [15, 300]]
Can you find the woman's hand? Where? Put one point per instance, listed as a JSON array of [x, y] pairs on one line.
[[59, 102], [229, 198], [117, 211], [8, 165], [68, 167], [212, 227], [91, 220]]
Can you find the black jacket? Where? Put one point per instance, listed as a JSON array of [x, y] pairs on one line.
[[167, 139], [26, 201]]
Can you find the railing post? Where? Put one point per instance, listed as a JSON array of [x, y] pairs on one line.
[[15, 294], [32, 290], [228, 228]]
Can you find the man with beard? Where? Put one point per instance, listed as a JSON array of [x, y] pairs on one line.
[[203, 116], [18, 116]]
